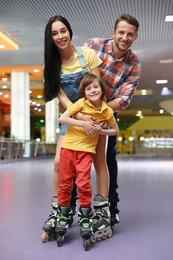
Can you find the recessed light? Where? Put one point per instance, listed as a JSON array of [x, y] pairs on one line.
[[4, 79], [161, 81], [137, 51], [2, 46], [161, 111], [143, 92], [166, 61], [169, 18]]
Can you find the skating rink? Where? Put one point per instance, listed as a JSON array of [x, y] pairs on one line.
[[145, 231]]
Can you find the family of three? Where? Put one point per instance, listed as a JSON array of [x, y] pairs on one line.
[[92, 83]]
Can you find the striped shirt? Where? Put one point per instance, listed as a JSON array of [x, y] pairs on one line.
[[121, 76]]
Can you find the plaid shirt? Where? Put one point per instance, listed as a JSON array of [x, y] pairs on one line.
[[121, 76]]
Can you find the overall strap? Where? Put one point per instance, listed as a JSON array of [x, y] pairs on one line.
[[81, 57], [81, 60]]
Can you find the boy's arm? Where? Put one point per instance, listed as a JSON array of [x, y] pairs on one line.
[[66, 119]]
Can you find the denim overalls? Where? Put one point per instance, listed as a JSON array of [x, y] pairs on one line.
[[70, 83]]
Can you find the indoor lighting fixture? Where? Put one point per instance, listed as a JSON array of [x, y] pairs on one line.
[[7, 42], [4, 79], [166, 61], [169, 18], [161, 81], [143, 92], [36, 70]]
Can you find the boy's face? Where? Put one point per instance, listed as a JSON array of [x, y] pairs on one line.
[[93, 91]]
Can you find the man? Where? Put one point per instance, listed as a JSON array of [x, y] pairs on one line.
[[121, 72]]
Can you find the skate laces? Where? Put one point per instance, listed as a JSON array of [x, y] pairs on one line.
[[85, 222], [63, 220]]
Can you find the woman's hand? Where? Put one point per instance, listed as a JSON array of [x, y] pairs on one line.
[[90, 128]]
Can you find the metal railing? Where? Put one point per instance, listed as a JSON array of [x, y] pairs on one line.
[[12, 149]]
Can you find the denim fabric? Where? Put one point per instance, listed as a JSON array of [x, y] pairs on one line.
[[70, 83]]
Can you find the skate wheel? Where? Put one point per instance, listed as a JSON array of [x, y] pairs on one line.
[[104, 237], [98, 239], [59, 241], [44, 237], [93, 240], [109, 235], [86, 244]]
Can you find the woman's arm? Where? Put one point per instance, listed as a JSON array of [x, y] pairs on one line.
[[114, 130], [63, 99]]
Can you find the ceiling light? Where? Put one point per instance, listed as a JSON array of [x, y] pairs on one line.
[[161, 111], [166, 61], [143, 92], [161, 81], [2, 46], [165, 88], [7, 42], [169, 18], [4, 79], [4, 86], [138, 51], [36, 70], [139, 113], [39, 96]]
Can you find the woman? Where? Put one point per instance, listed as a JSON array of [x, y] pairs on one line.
[[65, 66]]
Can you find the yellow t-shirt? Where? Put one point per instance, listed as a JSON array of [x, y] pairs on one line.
[[91, 58], [76, 137]]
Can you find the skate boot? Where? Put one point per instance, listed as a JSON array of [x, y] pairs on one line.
[[114, 199], [85, 224], [49, 225], [101, 221], [62, 223]]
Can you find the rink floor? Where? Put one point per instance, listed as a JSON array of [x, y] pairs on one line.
[[145, 231]]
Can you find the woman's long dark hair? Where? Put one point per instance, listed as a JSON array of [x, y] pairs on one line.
[[52, 60]]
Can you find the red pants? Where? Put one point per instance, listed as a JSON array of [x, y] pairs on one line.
[[75, 165]]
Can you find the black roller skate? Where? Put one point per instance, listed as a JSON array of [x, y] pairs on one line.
[[101, 221], [63, 223], [49, 225], [114, 199], [85, 224], [49, 233]]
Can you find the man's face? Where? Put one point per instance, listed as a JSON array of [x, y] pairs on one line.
[[124, 36]]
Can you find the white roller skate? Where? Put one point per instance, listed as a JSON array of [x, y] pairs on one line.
[[101, 221], [62, 223], [85, 224]]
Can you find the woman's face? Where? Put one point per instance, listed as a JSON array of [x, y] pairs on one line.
[[60, 35]]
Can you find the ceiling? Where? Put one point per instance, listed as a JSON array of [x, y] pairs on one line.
[[24, 22]]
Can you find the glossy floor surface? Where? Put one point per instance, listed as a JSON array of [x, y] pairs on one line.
[[145, 231]]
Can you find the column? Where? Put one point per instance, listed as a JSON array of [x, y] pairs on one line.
[[20, 108], [51, 122]]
